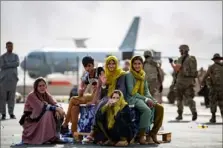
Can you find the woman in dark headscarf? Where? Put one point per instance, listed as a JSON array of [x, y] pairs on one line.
[[113, 121]]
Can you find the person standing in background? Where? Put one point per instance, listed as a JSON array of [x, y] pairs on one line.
[[204, 91], [126, 67], [162, 75], [171, 94], [186, 68], [215, 72], [153, 75], [8, 80]]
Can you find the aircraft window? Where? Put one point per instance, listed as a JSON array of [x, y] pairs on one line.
[[35, 56]]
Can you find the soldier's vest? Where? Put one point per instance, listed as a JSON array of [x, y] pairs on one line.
[[189, 67], [150, 68], [217, 75]]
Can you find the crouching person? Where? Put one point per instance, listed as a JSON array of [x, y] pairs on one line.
[[42, 117], [113, 122]]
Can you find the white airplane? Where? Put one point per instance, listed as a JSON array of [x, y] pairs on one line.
[[42, 62]]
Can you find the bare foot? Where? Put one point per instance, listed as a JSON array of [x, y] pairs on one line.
[[154, 137], [142, 141], [122, 143]]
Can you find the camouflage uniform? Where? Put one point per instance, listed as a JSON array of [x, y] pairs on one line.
[[215, 74], [160, 94], [171, 94], [153, 74], [185, 81], [201, 74]]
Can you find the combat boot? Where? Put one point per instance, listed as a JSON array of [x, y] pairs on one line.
[[180, 116], [194, 116], [213, 118]]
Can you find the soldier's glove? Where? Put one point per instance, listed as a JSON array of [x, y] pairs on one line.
[[170, 60], [161, 88]]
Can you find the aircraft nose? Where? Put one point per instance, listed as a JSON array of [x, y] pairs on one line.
[[22, 64]]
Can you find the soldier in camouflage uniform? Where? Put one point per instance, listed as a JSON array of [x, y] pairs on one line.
[[186, 68], [171, 95], [204, 91], [161, 74], [215, 73], [153, 74]]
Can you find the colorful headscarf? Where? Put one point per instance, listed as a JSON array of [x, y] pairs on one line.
[[111, 111], [112, 76], [140, 77]]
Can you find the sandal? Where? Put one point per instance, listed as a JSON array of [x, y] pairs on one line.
[[122, 143], [88, 139], [76, 137], [149, 139]]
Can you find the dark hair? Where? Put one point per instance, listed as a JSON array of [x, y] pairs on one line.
[[127, 61], [9, 43], [116, 92], [87, 60], [35, 85], [137, 58], [42, 97]]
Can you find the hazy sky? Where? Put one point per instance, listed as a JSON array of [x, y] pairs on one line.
[[164, 25]]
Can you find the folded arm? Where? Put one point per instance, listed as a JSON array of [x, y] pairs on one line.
[[7, 65]]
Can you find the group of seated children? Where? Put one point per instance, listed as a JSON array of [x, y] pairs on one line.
[[113, 90]]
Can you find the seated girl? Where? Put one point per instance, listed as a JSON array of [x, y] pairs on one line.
[[139, 95], [114, 78], [42, 116], [113, 121], [74, 109]]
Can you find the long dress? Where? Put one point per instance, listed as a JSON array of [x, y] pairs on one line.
[[120, 85], [122, 129], [43, 130]]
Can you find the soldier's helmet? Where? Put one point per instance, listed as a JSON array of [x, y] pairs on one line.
[[184, 48], [148, 53], [216, 57]]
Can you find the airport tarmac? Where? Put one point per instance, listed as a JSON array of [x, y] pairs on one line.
[[185, 134]]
